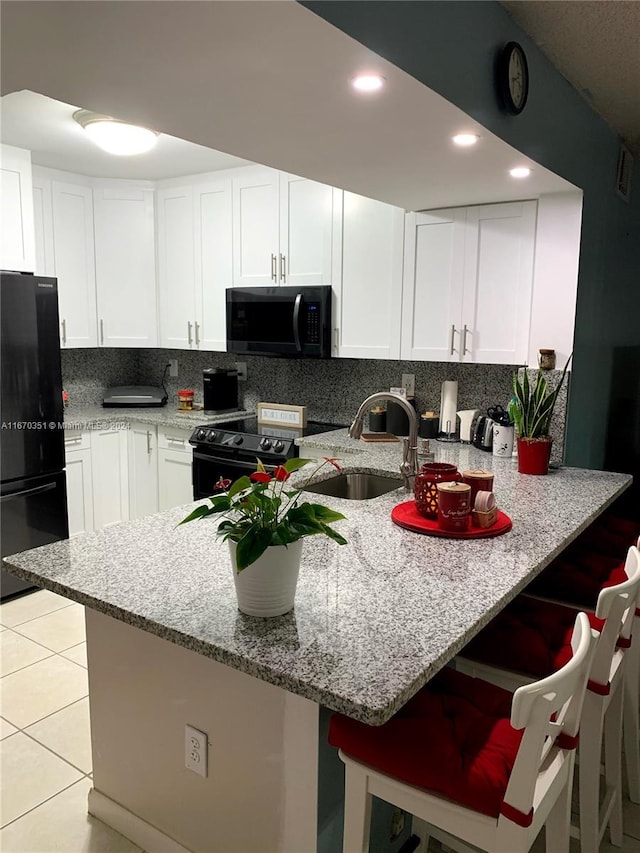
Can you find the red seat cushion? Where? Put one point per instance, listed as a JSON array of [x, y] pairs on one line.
[[453, 738], [529, 636]]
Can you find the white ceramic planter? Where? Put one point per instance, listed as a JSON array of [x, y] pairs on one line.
[[268, 586]]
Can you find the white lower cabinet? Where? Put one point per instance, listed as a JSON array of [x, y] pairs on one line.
[[77, 449], [175, 485], [110, 476], [142, 447]]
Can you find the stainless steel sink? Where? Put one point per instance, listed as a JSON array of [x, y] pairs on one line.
[[356, 487]]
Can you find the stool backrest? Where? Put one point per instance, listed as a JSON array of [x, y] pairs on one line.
[[546, 710], [617, 605]]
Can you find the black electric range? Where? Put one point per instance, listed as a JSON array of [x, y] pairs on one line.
[[230, 449]]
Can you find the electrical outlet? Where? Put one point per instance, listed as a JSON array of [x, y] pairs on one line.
[[397, 824], [241, 367], [173, 367], [195, 750], [409, 382]]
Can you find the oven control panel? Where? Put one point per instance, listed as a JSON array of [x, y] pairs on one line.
[[212, 440]]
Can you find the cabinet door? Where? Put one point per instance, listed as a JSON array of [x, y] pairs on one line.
[[433, 283], [176, 288], [213, 261], [369, 301], [110, 476], [143, 470], [306, 219], [17, 241], [79, 485], [43, 224], [125, 267], [498, 276], [174, 478], [255, 227], [75, 263]]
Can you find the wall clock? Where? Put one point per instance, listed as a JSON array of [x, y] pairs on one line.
[[513, 77]]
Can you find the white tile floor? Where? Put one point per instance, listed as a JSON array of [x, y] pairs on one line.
[[45, 749]]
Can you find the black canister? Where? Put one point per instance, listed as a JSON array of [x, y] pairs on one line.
[[378, 420], [220, 390], [428, 427], [397, 418]]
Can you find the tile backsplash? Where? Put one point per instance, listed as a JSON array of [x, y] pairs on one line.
[[331, 389]]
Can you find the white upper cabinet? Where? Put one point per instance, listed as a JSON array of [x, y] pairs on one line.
[[176, 274], [74, 260], [468, 283], [43, 224], [194, 263], [213, 261], [17, 239], [282, 229], [368, 299], [125, 265]]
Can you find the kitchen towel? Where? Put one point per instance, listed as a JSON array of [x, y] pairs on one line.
[[448, 407]]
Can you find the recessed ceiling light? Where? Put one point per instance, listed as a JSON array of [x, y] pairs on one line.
[[114, 136], [368, 82], [465, 139], [520, 172]]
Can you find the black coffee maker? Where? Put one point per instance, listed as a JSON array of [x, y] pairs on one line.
[[220, 390]]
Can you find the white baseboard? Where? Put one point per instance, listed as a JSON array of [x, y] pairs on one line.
[[132, 827]]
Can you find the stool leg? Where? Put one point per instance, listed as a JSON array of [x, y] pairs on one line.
[[357, 811], [558, 825], [613, 763], [631, 714], [591, 726]]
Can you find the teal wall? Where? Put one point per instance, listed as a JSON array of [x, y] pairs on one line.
[[451, 47]]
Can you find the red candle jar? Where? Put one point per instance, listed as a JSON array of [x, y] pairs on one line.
[[480, 481], [454, 507], [425, 488]]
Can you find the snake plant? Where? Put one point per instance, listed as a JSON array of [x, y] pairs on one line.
[[532, 405]]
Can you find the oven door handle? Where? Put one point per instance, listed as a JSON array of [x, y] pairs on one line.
[[296, 320], [244, 466]]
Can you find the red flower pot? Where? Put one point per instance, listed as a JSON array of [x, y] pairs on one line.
[[534, 454]]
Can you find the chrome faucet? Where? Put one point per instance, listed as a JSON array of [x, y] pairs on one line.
[[409, 466]]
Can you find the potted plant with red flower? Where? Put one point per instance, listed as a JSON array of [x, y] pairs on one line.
[[265, 524]]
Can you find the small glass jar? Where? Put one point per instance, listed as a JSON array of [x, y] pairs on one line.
[[185, 400], [547, 359]]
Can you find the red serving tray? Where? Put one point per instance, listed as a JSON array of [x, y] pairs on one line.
[[406, 515]]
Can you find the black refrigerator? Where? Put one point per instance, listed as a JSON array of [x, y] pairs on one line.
[[33, 494]]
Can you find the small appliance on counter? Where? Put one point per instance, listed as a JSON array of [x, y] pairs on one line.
[[483, 435], [134, 397], [220, 390], [467, 417]]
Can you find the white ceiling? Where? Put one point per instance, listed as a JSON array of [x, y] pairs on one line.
[[596, 45], [265, 81]]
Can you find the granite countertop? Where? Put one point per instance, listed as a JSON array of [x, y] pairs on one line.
[[97, 417], [374, 620]]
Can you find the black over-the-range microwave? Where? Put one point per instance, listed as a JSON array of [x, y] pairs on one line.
[[286, 321]]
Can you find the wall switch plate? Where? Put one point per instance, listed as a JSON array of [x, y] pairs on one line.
[[409, 382], [241, 367], [195, 751], [173, 367]]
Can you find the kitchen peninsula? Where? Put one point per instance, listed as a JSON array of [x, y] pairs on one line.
[[374, 620]]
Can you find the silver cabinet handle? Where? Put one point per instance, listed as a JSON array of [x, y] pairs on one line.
[[64, 331], [283, 268], [464, 340], [189, 333], [76, 440], [179, 441], [453, 334], [197, 325], [148, 443], [336, 338], [101, 332], [274, 274]]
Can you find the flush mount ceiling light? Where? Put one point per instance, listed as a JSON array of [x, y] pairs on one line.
[[368, 82], [464, 140], [115, 136], [520, 172]]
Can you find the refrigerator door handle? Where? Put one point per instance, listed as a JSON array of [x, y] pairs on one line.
[[36, 491]]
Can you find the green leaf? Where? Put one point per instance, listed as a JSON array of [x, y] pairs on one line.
[[333, 534], [324, 513], [292, 465], [200, 512], [252, 545], [240, 485]]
